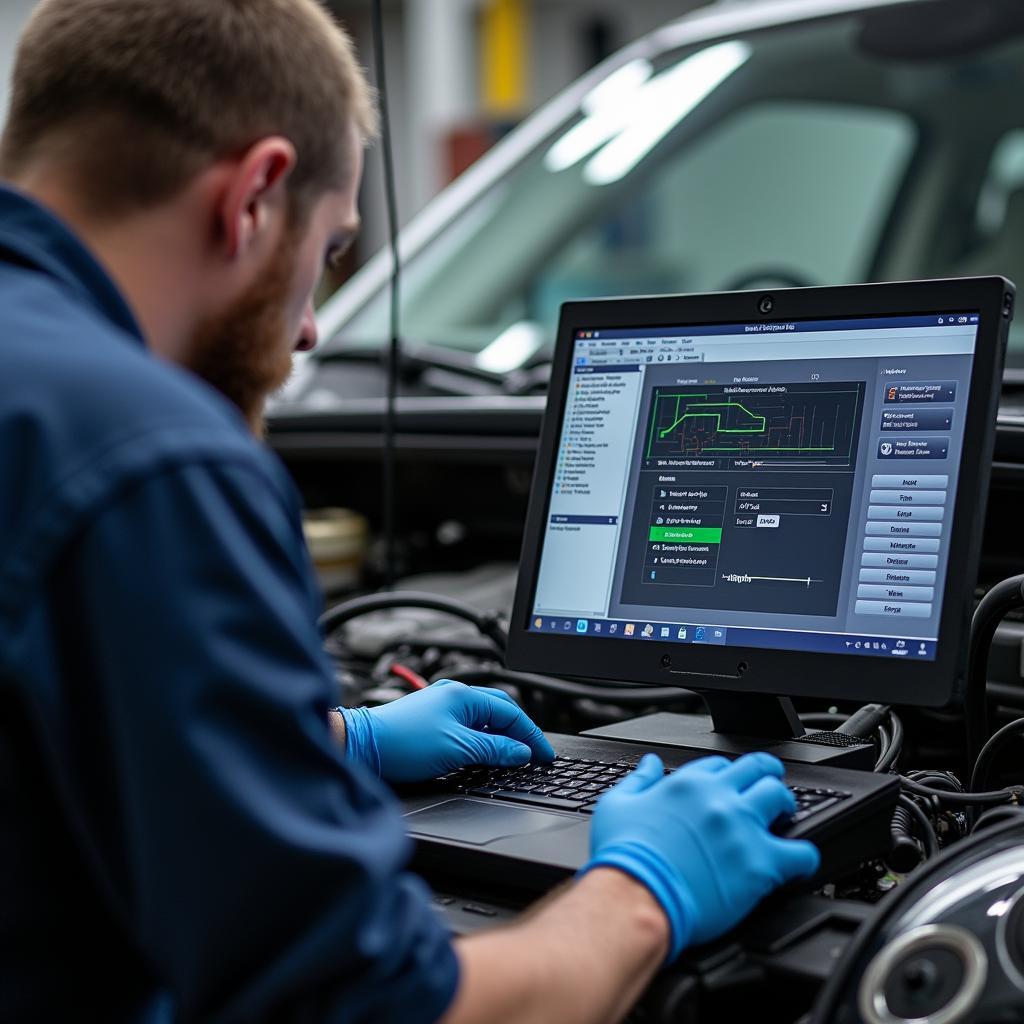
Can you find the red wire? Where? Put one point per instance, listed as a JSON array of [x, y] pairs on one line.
[[414, 679]]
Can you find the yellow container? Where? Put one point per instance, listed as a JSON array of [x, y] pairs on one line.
[[338, 539]]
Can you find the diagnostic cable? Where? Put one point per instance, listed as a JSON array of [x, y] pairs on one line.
[[394, 358]]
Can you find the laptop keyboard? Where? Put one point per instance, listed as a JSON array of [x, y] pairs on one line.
[[575, 784]]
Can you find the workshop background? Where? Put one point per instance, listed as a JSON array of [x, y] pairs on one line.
[[461, 74]]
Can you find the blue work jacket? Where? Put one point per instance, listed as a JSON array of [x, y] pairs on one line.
[[180, 837]]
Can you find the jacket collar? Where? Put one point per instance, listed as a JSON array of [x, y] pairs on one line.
[[33, 236]]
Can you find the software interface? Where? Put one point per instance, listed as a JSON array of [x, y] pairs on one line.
[[773, 485]]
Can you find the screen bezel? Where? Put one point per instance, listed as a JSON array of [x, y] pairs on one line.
[[836, 676]]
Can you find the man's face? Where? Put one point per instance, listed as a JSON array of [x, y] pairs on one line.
[[246, 351]]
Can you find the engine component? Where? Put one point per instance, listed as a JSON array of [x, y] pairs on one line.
[[946, 948]]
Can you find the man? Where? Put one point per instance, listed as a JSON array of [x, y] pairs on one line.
[[181, 835]]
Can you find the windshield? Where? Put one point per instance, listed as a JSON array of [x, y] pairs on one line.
[[802, 155]]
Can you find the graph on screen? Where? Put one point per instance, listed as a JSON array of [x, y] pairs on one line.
[[797, 424]]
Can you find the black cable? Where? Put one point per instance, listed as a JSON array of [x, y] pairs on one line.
[[863, 722], [487, 622], [880, 718], [890, 752], [936, 778], [896, 724], [388, 499], [566, 688], [1002, 598], [928, 837], [983, 764], [885, 750], [995, 815], [905, 850], [953, 799]]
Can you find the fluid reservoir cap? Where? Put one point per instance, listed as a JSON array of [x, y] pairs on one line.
[[337, 539]]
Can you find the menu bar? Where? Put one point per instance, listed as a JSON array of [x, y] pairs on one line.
[[947, 320]]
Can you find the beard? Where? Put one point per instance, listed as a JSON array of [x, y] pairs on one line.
[[244, 352]]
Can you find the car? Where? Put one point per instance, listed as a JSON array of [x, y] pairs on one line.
[[746, 145]]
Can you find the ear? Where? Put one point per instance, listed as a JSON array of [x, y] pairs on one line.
[[254, 195]]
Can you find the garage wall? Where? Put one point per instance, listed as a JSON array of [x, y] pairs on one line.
[[13, 15]]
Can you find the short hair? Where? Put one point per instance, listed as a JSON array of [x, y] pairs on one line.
[[135, 97]]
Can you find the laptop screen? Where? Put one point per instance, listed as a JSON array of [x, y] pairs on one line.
[[771, 485]]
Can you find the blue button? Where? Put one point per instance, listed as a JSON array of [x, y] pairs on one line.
[[899, 577], [581, 625], [917, 419], [910, 480], [898, 545], [908, 497], [877, 560], [919, 513], [878, 592], [914, 448], [897, 529], [893, 608]]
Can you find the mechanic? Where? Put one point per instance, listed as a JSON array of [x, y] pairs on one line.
[[181, 835]]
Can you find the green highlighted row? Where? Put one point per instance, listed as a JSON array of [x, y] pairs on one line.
[[683, 534]]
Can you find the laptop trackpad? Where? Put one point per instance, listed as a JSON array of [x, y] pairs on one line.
[[480, 823]]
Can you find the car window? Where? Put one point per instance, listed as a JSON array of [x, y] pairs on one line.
[[1004, 178], [780, 193], [815, 153]]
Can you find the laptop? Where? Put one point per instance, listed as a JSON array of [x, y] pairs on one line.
[[756, 496]]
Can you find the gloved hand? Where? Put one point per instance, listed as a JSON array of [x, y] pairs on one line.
[[444, 727], [699, 840]]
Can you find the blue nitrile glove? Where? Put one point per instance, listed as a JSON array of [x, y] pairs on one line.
[[444, 727], [699, 840]]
